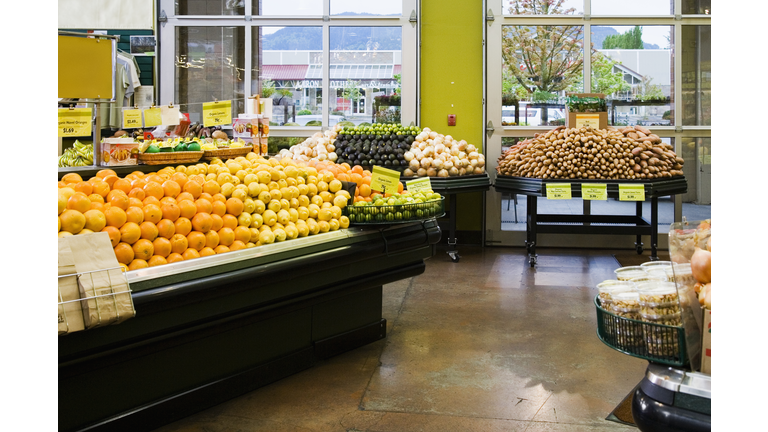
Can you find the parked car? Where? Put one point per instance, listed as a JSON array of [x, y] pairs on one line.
[[530, 116]]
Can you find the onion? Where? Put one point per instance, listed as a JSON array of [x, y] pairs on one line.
[[414, 164], [471, 148], [421, 172], [433, 172], [442, 173], [437, 163], [408, 156], [426, 162], [701, 265], [453, 171], [408, 173]]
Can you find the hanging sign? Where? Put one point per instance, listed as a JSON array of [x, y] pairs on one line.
[[171, 115], [631, 192], [594, 191], [152, 117], [131, 118], [558, 191], [419, 185], [384, 180], [217, 113], [75, 122], [588, 120]]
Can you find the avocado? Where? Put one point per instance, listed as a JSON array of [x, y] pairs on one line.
[[153, 148], [166, 149], [180, 147], [193, 146]]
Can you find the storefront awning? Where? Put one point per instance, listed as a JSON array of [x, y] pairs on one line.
[[283, 72]]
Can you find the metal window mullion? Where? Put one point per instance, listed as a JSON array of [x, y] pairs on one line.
[[587, 55], [326, 80]]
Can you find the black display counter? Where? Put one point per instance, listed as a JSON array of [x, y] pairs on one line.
[[587, 223], [213, 328]]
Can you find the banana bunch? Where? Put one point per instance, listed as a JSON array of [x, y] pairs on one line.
[[78, 155]]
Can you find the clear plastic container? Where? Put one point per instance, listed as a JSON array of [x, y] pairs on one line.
[[658, 298], [681, 274], [649, 278], [672, 319], [655, 264], [606, 289], [665, 345], [626, 304], [629, 273], [658, 273], [629, 337]]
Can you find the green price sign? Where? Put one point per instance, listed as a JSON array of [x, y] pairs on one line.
[[594, 191], [384, 180], [558, 191], [631, 192]]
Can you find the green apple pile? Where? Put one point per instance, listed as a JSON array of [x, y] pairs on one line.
[[405, 206]]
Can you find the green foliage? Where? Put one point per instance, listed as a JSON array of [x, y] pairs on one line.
[[632, 39], [647, 91], [399, 78], [604, 79], [267, 88], [542, 96], [363, 124], [304, 112], [314, 123], [667, 115]]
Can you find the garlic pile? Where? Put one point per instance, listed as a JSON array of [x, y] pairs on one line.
[[319, 147], [436, 155]]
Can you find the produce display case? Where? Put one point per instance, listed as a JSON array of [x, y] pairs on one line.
[[587, 223], [213, 328]]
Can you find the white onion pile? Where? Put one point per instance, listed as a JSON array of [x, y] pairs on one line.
[[319, 147], [436, 155]]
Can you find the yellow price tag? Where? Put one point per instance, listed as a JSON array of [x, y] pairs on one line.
[[588, 120], [558, 191], [75, 122], [419, 185], [131, 119], [631, 192], [153, 117], [384, 180], [594, 191], [217, 113]]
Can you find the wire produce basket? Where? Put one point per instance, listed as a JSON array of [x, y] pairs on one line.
[[393, 214], [656, 343]]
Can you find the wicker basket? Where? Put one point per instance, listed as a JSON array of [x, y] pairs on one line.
[[226, 153], [164, 158]]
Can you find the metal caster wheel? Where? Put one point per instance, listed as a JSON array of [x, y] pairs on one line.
[[639, 249], [532, 261], [455, 257]]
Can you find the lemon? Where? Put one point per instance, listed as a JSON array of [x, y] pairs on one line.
[[256, 220], [266, 237]]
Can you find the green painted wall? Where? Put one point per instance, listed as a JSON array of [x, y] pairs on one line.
[[452, 82]]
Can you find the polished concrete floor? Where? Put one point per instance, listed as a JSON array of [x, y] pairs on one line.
[[484, 344]]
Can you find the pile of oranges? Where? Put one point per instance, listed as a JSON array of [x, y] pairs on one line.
[[187, 212], [355, 174]]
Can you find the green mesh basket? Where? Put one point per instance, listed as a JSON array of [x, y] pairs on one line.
[[393, 214], [657, 343]]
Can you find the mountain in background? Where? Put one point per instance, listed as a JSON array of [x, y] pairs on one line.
[[341, 38], [600, 33]]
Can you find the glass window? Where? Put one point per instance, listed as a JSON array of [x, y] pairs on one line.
[[697, 202], [210, 7], [365, 74], [697, 75], [543, 7], [287, 7], [633, 67], [539, 65], [367, 7], [632, 7], [699, 7], [209, 65]]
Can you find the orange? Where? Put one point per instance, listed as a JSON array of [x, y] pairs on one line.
[[179, 243], [138, 183], [110, 180], [229, 221], [206, 196], [234, 206], [171, 188], [135, 202], [101, 188], [196, 240], [221, 249], [187, 208], [114, 234], [185, 196], [162, 246], [84, 187], [134, 214], [118, 199], [174, 257], [219, 197], [95, 220], [137, 193], [179, 178], [143, 249], [79, 201], [166, 228], [167, 200], [123, 185], [202, 222], [226, 236], [190, 254], [154, 189], [137, 264], [130, 232], [183, 226], [151, 200], [154, 177], [211, 187], [96, 198], [243, 234], [149, 230], [171, 211], [72, 221], [116, 216], [211, 239], [156, 260], [71, 178], [203, 206], [152, 213], [124, 253], [217, 223], [206, 251], [105, 172], [194, 188], [218, 208], [237, 245], [365, 190]]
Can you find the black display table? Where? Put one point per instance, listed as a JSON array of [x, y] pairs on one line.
[[587, 223], [213, 328]]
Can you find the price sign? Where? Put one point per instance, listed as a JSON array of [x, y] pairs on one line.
[[131, 119], [594, 191], [558, 191], [170, 115], [75, 122], [217, 113], [384, 180], [419, 185], [631, 192], [153, 117], [588, 120]]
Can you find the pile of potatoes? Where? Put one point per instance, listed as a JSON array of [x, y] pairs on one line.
[[584, 153]]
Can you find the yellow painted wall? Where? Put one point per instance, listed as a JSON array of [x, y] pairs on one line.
[[452, 82]]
